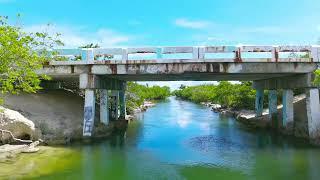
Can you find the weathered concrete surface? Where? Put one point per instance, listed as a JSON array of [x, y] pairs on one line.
[[58, 114], [114, 104], [307, 116], [288, 82], [287, 110], [259, 102], [89, 112], [148, 71], [313, 112], [297, 128], [122, 104], [104, 106], [272, 104]]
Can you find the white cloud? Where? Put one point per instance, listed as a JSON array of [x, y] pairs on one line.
[[75, 36], [318, 28], [185, 23]]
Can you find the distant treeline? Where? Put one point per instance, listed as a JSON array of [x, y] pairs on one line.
[[136, 94], [225, 93], [235, 96]]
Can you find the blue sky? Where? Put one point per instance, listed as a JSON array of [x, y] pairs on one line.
[[115, 23], [169, 22]]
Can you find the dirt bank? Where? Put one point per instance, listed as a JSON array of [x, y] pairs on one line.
[[57, 113]]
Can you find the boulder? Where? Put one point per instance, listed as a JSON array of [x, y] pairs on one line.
[[16, 123]]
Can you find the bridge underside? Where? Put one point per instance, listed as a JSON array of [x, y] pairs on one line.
[[181, 71], [181, 77]]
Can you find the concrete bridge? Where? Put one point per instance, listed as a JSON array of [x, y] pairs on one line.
[[269, 67]]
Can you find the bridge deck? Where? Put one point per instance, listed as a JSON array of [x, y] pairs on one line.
[[186, 63]]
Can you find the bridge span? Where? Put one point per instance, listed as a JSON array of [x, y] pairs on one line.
[[269, 67]]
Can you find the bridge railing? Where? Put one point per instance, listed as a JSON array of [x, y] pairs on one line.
[[202, 54]]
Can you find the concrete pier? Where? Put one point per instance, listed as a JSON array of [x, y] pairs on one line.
[[259, 102], [287, 110], [313, 112], [115, 105], [89, 112], [122, 101], [273, 116], [104, 106]]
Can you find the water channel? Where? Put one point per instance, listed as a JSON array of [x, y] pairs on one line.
[[174, 140]]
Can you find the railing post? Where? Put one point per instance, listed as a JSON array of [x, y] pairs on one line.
[[201, 53], [275, 54], [159, 53], [238, 55], [195, 53], [87, 55], [315, 54], [124, 54]]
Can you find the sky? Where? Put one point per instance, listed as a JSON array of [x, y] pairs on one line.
[[131, 23]]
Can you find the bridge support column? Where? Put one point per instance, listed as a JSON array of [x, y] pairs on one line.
[[122, 99], [89, 112], [115, 105], [273, 116], [313, 112], [259, 102], [287, 110], [104, 107]]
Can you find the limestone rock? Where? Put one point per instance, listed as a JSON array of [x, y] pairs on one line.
[[20, 126]]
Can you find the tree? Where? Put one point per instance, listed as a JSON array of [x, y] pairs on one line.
[[317, 79], [91, 45], [317, 72], [21, 54]]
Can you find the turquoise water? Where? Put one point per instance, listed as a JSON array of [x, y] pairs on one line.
[[175, 140]]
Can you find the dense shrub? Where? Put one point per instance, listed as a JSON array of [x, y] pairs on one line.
[[235, 96], [136, 94]]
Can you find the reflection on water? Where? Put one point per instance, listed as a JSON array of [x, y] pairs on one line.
[[175, 140]]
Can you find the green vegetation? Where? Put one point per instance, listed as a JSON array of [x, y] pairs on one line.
[[91, 45], [317, 79], [234, 96], [21, 54], [136, 94], [227, 94]]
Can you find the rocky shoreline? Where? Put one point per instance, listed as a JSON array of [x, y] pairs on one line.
[[248, 118], [9, 151]]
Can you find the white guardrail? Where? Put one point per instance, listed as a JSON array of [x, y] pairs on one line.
[[210, 53]]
